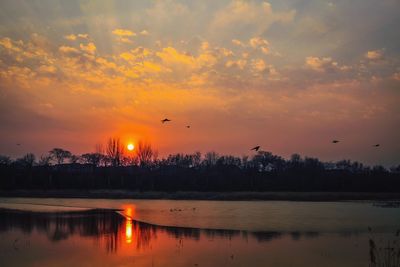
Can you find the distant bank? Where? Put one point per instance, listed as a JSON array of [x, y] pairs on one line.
[[185, 195]]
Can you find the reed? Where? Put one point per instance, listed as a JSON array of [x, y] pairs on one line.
[[384, 253]]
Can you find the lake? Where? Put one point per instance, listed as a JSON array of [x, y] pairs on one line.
[[104, 232]]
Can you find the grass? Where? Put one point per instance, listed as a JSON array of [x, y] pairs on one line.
[[384, 253]]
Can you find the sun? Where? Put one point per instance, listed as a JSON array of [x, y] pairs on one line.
[[130, 147]]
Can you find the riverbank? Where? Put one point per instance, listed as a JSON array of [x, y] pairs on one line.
[[122, 194]]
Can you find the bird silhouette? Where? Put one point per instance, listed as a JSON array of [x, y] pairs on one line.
[[188, 126], [335, 141], [165, 120], [18, 144], [376, 145], [256, 148]]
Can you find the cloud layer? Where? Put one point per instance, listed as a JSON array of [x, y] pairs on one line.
[[273, 73]]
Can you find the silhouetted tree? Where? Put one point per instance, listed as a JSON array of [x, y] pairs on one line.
[[245, 162], [115, 151], [4, 160], [210, 158], [74, 159], [266, 161], [60, 154], [378, 169], [196, 157], [145, 153], [395, 169], [313, 164], [44, 160], [27, 161], [262, 172], [92, 158], [229, 161], [344, 165], [99, 149], [295, 159]]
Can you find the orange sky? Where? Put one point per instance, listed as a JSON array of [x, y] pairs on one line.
[[287, 76]]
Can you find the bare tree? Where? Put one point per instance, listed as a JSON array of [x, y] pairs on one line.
[[74, 158], [115, 151], [145, 153], [99, 148], [196, 159], [60, 154], [28, 160], [44, 160], [210, 158], [92, 158]]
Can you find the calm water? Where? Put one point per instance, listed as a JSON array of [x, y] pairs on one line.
[[63, 232]]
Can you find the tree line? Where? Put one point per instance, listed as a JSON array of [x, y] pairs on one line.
[[111, 167]]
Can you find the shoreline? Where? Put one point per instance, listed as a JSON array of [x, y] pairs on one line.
[[189, 195]]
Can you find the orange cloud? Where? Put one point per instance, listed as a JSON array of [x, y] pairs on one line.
[[374, 54], [171, 56], [123, 32], [90, 48], [11, 45], [68, 50], [71, 37], [323, 64]]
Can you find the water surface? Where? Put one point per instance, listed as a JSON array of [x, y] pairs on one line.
[[68, 232]]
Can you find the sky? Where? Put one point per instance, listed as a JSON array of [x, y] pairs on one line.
[[289, 76]]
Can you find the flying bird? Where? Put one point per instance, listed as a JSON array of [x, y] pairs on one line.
[[18, 144], [165, 120], [335, 141], [376, 145], [256, 148], [188, 126]]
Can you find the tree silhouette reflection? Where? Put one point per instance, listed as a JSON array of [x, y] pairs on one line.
[[110, 229]]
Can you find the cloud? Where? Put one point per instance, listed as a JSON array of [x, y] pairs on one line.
[[127, 56], [11, 45], [258, 65], [166, 11], [260, 43], [374, 54], [125, 40], [71, 37], [238, 42], [123, 32], [257, 42], [244, 18], [136, 55], [47, 69], [90, 48], [323, 64], [125, 35], [171, 56], [83, 35], [240, 63], [68, 50]]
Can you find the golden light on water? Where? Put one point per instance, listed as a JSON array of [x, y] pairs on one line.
[[129, 211], [128, 231]]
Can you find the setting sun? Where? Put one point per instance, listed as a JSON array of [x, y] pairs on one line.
[[130, 147]]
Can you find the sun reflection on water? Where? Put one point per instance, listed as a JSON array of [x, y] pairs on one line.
[[129, 213], [128, 231]]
